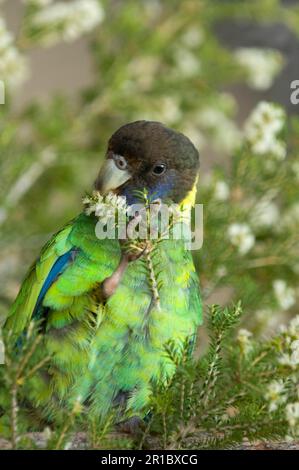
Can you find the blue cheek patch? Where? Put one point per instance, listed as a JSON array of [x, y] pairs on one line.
[[159, 191]]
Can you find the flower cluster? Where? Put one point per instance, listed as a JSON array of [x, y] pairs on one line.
[[263, 128], [242, 237], [261, 65], [288, 365], [283, 390], [284, 294], [13, 66], [290, 350], [187, 63], [291, 332], [105, 207], [265, 214], [221, 191], [67, 21], [243, 338], [291, 359], [275, 394]]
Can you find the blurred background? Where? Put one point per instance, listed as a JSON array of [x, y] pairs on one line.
[[74, 71]]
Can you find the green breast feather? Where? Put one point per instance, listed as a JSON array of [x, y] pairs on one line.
[[102, 351]]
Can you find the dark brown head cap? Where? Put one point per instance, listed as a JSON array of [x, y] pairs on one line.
[[144, 146], [152, 141]]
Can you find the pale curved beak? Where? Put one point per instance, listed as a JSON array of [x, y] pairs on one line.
[[111, 177]]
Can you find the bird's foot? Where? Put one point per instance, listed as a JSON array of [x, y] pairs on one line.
[[111, 283]]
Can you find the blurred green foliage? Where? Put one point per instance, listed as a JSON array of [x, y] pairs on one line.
[[161, 60], [152, 60]]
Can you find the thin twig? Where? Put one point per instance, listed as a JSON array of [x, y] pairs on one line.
[[14, 415], [153, 280], [38, 366], [26, 181], [27, 356]]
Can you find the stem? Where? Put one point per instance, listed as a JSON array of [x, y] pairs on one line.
[[212, 374], [152, 279], [64, 431], [164, 430], [28, 356], [36, 368], [26, 180], [145, 434], [14, 415], [183, 388], [267, 261]]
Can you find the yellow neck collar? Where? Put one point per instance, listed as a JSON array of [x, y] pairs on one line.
[[189, 200]]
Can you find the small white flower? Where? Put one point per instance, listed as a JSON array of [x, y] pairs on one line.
[[99, 210], [275, 394], [241, 236], [275, 388], [261, 65], [262, 130], [6, 38], [295, 357], [289, 360], [221, 271], [193, 37], [67, 445], [13, 65], [165, 109], [116, 202], [169, 109], [292, 359], [67, 21], [244, 334], [105, 207], [86, 200], [292, 413], [284, 294], [142, 71], [265, 214], [243, 338], [46, 434], [278, 149], [221, 192], [268, 116], [282, 329], [188, 64]]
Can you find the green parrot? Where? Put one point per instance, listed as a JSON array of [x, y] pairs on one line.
[[105, 314]]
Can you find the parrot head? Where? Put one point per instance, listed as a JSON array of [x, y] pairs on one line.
[[147, 155]]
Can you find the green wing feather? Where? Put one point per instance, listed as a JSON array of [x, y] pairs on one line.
[[123, 351], [23, 307]]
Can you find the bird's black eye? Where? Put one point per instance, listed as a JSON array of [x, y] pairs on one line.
[[159, 169], [120, 162]]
